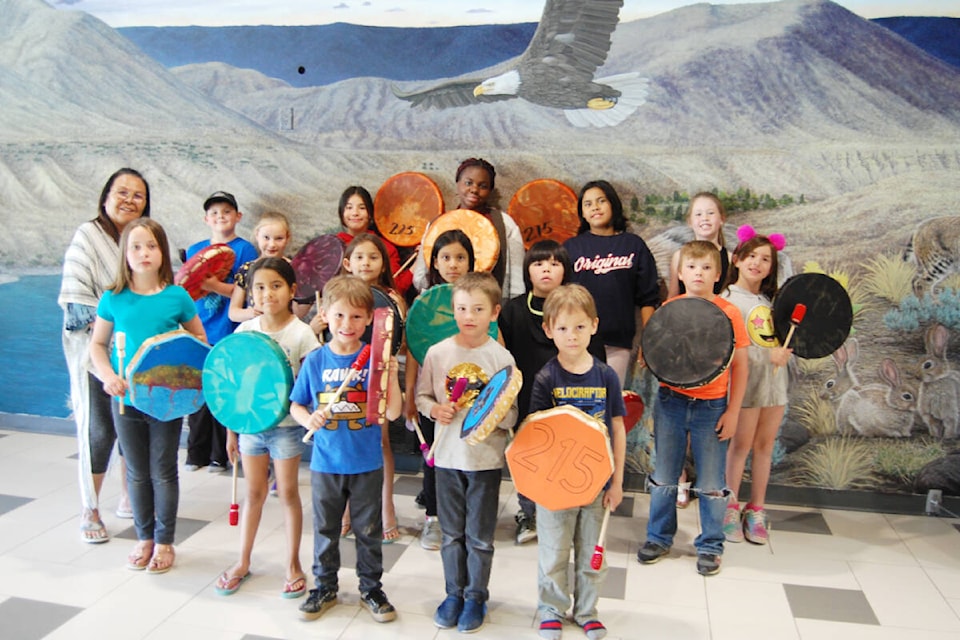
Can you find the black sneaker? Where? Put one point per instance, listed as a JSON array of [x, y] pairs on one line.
[[421, 501], [379, 607], [318, 601], [651, 552], [218, 467], [708, 564], [526, 527]]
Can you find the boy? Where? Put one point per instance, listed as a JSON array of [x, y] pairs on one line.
[[207, 441], [577, 378], [468, 476], [347, 461], [709, 415]]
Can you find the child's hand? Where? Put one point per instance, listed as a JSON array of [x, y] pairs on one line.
[[233, 448], [613, 496], [114, 385], [726, 426], [317, 419], [318, 325], [209, 283], [780, 356], [443, 413]]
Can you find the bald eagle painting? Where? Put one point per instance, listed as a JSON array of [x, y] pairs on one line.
[[557, 70]]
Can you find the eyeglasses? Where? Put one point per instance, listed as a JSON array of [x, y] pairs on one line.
[[136, 196]]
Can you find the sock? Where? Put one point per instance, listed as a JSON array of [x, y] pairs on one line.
[[594, 629], [551, 629]]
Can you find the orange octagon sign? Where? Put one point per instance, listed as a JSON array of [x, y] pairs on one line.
[[560, 458]]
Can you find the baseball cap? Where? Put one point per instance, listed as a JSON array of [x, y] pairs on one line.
[[220, 196]]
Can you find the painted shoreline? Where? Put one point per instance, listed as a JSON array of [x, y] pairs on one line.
[[10, 273]]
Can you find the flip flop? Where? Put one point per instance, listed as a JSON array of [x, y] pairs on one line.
[[391, 535], [227, 586], [292, 590], [125, 514], [99, 532], [155, 566], [138, 559]]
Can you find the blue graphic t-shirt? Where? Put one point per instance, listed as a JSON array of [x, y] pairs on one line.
[[596, 392], [214, 308], [346, 444]]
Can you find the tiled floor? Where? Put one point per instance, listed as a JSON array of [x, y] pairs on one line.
[[826, 574]]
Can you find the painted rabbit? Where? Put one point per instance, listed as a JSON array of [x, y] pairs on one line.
[[885, 410], [939, 397]]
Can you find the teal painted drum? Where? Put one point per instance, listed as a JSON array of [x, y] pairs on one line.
[[430, 320]]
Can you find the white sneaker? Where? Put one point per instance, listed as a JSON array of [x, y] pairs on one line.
[[431, 535]]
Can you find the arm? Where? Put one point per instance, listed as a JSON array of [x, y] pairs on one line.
[[233, 448], [427, 403], [239, 312], [727, 424], [113, 384], [513, 282], [311, 421], [780, 356], [224, 289], [420, 271], [618, 436], [410, 386], [394, 396], [195, 326]]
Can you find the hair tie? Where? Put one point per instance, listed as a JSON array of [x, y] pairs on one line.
[[745, 232], [778, 241]]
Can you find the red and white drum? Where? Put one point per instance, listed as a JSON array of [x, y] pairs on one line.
[[215, 260]]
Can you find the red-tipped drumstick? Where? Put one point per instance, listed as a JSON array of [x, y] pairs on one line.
[[355, 368], [597, 560], [458, 388], [799, 311], [121, 339], [234, 505]]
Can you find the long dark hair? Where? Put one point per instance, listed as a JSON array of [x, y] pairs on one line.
[[448, 237], [280, 265], [616, 207], [357, 190], [102, 218], [768, 286], [385, 279]]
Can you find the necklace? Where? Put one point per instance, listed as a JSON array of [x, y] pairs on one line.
[[530, 306]]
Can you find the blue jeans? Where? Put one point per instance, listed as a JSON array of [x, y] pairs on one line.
[[467, 503], [675, 416], [150, 450]]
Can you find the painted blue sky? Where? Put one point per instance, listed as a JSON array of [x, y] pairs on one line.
[[409, 13]]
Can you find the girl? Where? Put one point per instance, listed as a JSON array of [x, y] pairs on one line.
[[271, 235], [475, 180], [366, 257], [545, 267], [356, 217], [616, 268], [452, 256], [144, 302], [754, 277], [272, 285]]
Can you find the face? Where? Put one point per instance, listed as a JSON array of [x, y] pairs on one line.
[[597, 210], [545, 275], [473, 188], [473, 313], [272, 240], [571, 331], [699, 275], [346, 323], [222, 218], [705, 219], [126, 201], [143, 252], [271, 293], [356, 218], [452, 262], [366, 262], [755, 266]]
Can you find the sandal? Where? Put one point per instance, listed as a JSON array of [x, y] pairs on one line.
[[294, 588], [162, 560], [93, 532], [228, 585], [391, 535], [140, 557]]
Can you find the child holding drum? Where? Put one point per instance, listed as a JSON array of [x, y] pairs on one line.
[[144, 302], [272, 285], [754, 283], [578, 378], [272, 234]]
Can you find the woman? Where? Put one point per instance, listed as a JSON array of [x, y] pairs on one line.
[[89, 268]]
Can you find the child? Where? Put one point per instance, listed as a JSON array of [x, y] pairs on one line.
[[754, 274], [272, 285], [347, 462], [367, 258], [356, 217], [452, 257], [144, 302], [207, 441], [708, 414], [468, 476], [545, 267], [616, 268], [577, 378], [271, 234]]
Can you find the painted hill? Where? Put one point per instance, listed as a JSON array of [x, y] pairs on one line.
[[940, 37]]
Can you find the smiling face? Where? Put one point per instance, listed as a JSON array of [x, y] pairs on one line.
[[755, 266], [473, 188], [366, 262], [272, 239], [705, 219], [597, 211], [222, 219], [271, 293], [126, 200], [347, 324], [356, 218], [144, 255]]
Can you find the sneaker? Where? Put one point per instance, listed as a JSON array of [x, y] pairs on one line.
[[318, 601], [421, 501], [526, 527], [755, 524], [217, 467], [431, 535], [732, 527], [683, 495], [192, 467], [651, 552], [273, 489], [472, 616], [448, 613], [708, 564], [379, 607]]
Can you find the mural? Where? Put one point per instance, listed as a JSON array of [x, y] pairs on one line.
[[805, 118]]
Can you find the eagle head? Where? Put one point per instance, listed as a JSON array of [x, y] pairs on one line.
[[505, 84]]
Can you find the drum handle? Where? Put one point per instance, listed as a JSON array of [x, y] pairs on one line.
[[121, 339], [597, 560], [409, 260], [799, 311], [355, 368]]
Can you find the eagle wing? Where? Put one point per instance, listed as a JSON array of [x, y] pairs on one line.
[[456, 93]]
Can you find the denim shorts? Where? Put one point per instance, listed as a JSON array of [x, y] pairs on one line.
[[282, 443]]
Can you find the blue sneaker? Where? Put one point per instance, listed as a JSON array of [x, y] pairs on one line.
[[448, 612], [471, 619]]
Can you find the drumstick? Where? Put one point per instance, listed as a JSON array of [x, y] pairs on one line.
[[318, 302], [424, 447], [121, 339], [234, 506], [407, 262], [458, 388], [597, 560], [355, 368], [799, 311]]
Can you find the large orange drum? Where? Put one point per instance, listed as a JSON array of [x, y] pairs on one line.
[[483, 236], [404, 206], [545, 209], [561, 458]]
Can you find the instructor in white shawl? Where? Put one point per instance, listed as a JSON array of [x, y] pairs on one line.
[[89, 268]]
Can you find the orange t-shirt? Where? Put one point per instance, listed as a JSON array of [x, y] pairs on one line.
[[717, 388]]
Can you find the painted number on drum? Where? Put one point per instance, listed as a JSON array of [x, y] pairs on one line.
[[398, 229], [536, 231], [572, 461]]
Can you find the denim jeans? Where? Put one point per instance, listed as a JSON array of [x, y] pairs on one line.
[[557, 533], [150, 450], [467, 502], [675, 416], [331, 491]]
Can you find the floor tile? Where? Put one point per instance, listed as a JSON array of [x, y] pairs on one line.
[[798, 522], [186, 527], [24, 619], [838, 605], [9, 503]]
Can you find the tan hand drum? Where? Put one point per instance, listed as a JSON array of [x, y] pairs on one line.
[[404, 206], [215, 260], [828, 319], [560, 458], [545, 209], [492, 405], [486, 244]]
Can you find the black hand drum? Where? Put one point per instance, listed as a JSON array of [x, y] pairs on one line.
[[828, 319]]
